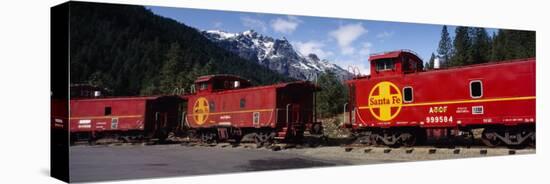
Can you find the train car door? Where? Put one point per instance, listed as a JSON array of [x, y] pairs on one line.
[[165, 116], [295, 113]]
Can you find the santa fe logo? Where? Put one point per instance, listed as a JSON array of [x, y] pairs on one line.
[[385, 101], [201, 110]]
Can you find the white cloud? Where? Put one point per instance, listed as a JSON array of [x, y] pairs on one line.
[[384, 35], [252, 23], [285, 25], [346, 34], [314, 47], [347, 50], [358, 63]]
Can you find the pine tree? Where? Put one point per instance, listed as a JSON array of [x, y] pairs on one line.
[[333, 95], [126, 48], [170, 69], [210, 67], [461, 46], [499, 46], [520, 44], [513, 44], [479, 51], [445, 48]]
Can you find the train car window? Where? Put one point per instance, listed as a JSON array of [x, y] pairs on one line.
[[476, 89], [226, 85], [212, 107], [242, 103], [203, 86], [218, 85], [408, 94], [384, 64], [107, 111]]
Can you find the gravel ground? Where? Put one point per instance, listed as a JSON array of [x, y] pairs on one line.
[[365, 155], [374, 155]]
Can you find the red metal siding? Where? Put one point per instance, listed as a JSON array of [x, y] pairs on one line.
[[508, 97], [88, 115], [227, 108]]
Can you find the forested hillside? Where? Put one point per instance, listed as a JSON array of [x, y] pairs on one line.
[[131, 51], [474, 45]]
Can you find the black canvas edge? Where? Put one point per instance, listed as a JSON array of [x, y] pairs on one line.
[[59, 81]]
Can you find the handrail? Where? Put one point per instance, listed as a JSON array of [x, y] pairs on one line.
[[345, 107], [192, 90], [287, 107]]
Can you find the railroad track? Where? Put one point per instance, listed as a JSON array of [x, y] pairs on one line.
[[430, 150], [341, 148]]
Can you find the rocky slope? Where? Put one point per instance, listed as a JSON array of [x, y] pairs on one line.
[[276, 54]]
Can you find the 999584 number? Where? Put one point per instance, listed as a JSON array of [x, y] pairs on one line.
[[439, 119]]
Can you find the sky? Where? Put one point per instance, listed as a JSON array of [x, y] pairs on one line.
[[345, 42]]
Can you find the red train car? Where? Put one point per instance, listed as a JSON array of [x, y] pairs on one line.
[[227, 107], [58, 114], [399, 103], [124, 118]]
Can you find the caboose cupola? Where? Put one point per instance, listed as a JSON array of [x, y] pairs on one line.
[[395, 63], [212, 83]]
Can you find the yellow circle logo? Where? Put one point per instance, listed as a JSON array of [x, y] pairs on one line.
[[201, 110], [385, 101]]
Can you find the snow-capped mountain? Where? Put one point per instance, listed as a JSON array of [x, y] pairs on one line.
[[276, 54]]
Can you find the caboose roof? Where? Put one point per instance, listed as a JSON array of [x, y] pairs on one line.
[[392, 54], [307, 84], [298, 83], [117, 98], [207, 78]]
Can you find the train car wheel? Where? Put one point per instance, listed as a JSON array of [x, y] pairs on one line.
[[264, 139], [124, 139], [207, 137], [261, 139], [408, 139], [391, 139], [489, 138], [375, 141], [366, 140], [204, 138]]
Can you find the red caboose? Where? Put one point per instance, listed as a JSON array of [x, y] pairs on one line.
[[400, 103], [227, 107], [125, 117]]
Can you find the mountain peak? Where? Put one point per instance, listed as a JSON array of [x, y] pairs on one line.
[[250, 33], [313, 57], [221, 34], [276, 54]]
